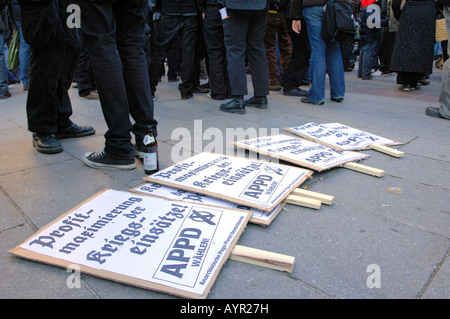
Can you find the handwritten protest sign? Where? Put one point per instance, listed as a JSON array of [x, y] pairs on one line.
[[258, 217], [154, 243], [257, 184], [342, 137], [300, 151]]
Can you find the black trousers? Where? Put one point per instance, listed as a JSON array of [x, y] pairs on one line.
[[244, 33], [53, 59], [83, 72], [216, 52], [114, 32], [168, 29], [299, 64]]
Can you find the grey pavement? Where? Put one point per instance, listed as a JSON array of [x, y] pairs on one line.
[[407, 233]]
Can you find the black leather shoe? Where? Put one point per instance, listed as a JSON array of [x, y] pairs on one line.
[[258, 102], [186, 95], [47, 144], [296, 92], [201, 89], [236, 105], [75, 131]]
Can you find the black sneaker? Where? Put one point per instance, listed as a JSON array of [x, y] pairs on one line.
[[104, 160], [258, 102], [47, 144], [75, 131]]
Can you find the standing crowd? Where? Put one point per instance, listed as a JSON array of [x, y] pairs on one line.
[[119, 51]]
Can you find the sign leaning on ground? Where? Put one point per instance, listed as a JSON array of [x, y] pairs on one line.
[[343, 137], [300, 151], [150, 242], [256, 184], [153, 189]]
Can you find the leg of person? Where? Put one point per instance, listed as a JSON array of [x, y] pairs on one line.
[[270, 37], [335, 70], [188, 63], [130, 41], [4, 92], [46, 58], [284, 41], [24, 57], [213, 33], [313, 18], [257, 60], [299, 63], [99, 26]]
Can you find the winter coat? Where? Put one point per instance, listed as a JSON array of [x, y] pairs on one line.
[[369, 35], [414, 43]]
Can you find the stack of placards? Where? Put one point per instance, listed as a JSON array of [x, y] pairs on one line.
[[343, 137], [256, 184], [150, 242], [153, 189]]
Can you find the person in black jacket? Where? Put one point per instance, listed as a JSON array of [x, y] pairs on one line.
[[53, 59], [244, 33]]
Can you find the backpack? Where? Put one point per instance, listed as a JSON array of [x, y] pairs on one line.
[[338, 22]]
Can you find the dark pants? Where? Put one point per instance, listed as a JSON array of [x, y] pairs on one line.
[[217, 59], [83, 73], [244, 33], [114, 34], [168, 29], [277, 31], [53, 59], [293, 76]]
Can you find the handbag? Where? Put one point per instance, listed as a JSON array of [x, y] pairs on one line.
[[13, 51], [441, 31], [338, 21]]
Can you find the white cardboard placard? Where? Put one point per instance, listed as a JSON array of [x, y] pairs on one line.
[[339, 136], [256, 184], [299, 151], [154, 243]]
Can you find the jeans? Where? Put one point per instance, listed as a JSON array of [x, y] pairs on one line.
[[114, 35], [3, 71], [366, 59], [24, 56], [325, 58], [244, 33]]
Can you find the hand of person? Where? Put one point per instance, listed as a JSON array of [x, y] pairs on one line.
[[296, 26]]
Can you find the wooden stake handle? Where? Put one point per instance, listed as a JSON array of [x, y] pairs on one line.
[[263, 258], [364, 169], [386, 150], [303, 201], [325, 199]]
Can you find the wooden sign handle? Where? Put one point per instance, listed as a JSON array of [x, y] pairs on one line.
[[325, 199], [303, 201], [386, 150], [364, 169], [263, 258]]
